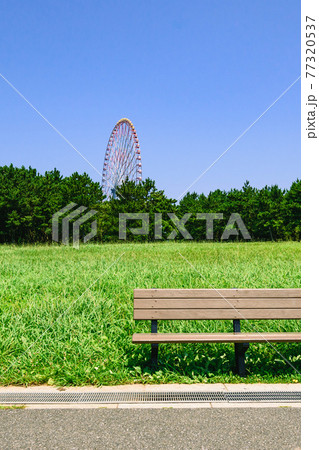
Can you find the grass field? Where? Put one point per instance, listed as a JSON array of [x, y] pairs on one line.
[[66, 315]]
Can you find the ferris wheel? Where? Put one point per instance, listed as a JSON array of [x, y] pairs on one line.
[[122, 158]]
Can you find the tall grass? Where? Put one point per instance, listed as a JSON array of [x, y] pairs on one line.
[[66, 315]]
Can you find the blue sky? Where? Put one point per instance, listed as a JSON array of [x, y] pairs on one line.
[[192, 76]]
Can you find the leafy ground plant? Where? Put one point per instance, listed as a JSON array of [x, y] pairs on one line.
[[66, 315]]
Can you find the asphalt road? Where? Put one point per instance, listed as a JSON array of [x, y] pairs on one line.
[[226, 428]]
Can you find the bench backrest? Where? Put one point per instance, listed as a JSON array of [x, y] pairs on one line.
[[161, 304]]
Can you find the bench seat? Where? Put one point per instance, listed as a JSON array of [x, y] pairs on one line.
[[159, 338]]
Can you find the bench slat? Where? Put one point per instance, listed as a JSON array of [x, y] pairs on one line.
[[211, 314], [248, 303], [212, 293], [215, 337]]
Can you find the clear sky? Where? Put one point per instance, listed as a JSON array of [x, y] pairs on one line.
[[192, 76]]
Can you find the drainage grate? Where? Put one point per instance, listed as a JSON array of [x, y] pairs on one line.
[[280, 396], [147, 397]]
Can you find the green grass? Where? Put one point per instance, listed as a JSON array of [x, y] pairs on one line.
[[55, 330], [12, 407]]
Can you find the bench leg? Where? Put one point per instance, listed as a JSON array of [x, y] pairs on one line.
[[154, 352], [240, 350], [154, 355]]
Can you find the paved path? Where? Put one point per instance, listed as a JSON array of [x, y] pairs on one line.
[[240, 428]]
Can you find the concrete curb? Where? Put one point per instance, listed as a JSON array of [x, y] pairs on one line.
[[217, 387], [164, 406]]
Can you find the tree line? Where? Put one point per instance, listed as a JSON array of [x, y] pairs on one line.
[[28, 200]]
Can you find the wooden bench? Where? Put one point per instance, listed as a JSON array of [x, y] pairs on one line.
[[211, 304]]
